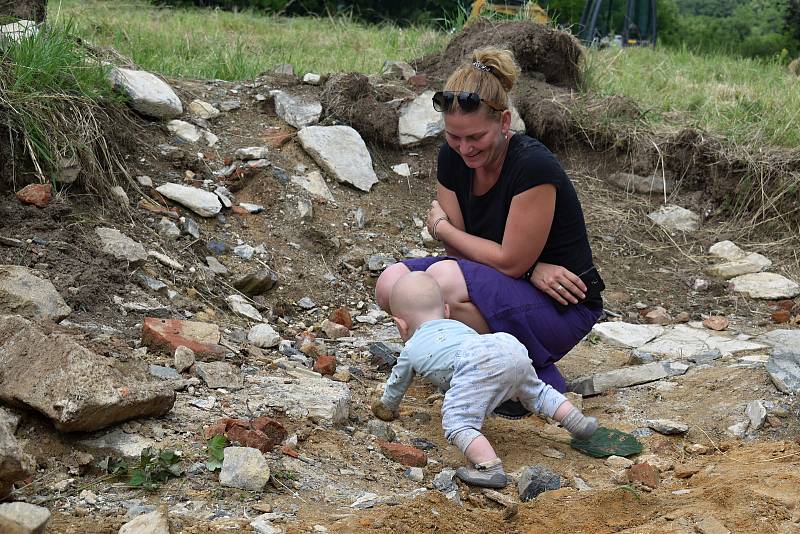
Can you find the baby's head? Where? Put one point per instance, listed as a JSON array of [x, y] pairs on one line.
[[416, 298]]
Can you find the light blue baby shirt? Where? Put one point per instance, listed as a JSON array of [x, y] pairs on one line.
[[430, 353]]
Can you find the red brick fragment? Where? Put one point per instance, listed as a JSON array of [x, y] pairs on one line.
[[404, 454], [169, 334], [261, 433], [288, 451], [781, 316], [644, 473], [39, 195], [325, 365], [786, 304], [238, 210], [342, 316]]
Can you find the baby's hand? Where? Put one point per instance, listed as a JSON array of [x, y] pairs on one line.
[[382, 412]]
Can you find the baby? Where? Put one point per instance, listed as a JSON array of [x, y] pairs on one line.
[[476, 372]]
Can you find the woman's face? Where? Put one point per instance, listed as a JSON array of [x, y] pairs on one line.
[[477, 137]]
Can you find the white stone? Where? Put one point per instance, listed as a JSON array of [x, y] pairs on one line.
[[120, 195], [315, 184], [203, 110], [294, 111], [684, 341], [244, 251], [739, 430], [120, 246], [149, 94], [667, 426], [203, 203], [17, 31], [220, 375], [156, 522], [626, 335], [305, 209], [782, 340], [23, 518], [184, 358], [341, 152], [24, 293], [727, 250], [251, 153], [321, 399], [751, 263], [415, 473], [312, 79], [419, 121], [619, 378], [191, 133], [145, 181], [674, 217], [128, 445], [244, 468], [241, 306], [251, 208], [784, 370], [757, 413], [770, 286], [263, 525], [263, 336], [402, 169]]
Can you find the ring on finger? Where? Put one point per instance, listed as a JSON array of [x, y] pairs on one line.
[[559, 287]]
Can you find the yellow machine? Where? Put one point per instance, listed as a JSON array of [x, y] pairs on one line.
[[530, 10]]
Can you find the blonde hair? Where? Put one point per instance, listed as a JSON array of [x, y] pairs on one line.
[[416, 298], [493, 84]]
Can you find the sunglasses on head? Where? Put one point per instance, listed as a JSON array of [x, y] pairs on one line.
[[467, 102]]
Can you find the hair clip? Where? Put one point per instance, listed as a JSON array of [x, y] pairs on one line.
[[480, 66]]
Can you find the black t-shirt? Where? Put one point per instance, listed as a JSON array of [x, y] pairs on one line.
[[528, 164]]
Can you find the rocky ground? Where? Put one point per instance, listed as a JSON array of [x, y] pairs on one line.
[[230, 293]]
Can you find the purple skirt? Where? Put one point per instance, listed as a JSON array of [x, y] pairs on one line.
[[518, 308]]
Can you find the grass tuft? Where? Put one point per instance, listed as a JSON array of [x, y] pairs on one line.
[[56, 100]]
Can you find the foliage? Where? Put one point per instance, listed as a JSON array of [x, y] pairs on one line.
[[215, 449], [151, 470]]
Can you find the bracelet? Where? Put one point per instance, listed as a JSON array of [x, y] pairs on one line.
[[435, 224]]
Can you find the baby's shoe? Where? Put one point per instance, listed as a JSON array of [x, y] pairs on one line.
[[486, 475], [580, 426]]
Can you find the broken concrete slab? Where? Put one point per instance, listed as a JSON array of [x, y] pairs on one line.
[[784, 370], [419, 121], [220, 375], [169, 334], [619, 378], [295, 111], [626, 335], [74, 387], [682, 341], [315, 184], [751, 263], [341, 151], [323, 400], [781, 340], [770, 286], [677, 218], [23, 292]]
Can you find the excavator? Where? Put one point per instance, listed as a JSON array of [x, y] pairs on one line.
[[599, 19]]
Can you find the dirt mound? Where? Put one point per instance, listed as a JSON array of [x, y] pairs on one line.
[[352, 99], [537, 48]]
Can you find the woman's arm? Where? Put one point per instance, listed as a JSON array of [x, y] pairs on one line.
[[449, 204], [527, 228]]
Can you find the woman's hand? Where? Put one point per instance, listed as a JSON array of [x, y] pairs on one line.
[[434, 214], [559, 283]]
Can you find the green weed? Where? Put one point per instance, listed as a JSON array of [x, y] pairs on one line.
[[152, 469]]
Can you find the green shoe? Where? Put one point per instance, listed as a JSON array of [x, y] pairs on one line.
[[486, 475]]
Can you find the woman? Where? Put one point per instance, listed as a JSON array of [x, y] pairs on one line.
[[511, 224]]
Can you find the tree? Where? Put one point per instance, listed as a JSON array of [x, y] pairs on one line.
[[35, 10]]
